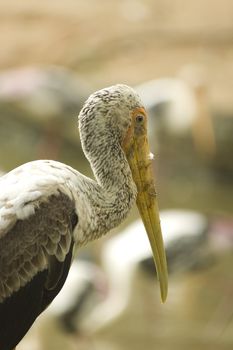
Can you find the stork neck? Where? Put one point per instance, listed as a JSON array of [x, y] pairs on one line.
[[113, 192], [111, 168]]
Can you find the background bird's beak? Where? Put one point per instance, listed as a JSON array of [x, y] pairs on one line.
[[137, 152]]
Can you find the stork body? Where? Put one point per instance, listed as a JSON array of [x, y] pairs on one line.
[[38, 234], [48, 209]]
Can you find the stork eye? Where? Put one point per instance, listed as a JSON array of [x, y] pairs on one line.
[[139, 118]]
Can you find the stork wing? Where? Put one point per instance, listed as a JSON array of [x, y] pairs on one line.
[[32, 244], [35, 256]]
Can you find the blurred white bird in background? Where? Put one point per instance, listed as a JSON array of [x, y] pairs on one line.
[[185, 239], [179, 105]]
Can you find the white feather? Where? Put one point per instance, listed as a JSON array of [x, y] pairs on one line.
[[22, 189]]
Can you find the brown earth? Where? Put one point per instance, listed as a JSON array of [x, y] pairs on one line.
[[123, 41]]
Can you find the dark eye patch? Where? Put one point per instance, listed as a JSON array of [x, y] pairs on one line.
[[139, 118]]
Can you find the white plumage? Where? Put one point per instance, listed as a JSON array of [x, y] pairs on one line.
[[24, 188]]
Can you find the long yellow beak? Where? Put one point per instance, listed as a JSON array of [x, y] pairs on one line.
[[137, 152]]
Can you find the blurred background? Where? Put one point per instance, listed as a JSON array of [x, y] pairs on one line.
[[179, 57]]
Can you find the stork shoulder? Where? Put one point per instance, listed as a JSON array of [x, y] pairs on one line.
[[23, 189]]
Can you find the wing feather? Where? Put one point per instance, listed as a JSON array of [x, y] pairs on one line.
[[37, 219], [33, 243]]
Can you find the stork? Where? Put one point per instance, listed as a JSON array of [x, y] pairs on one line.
[[48, 209]]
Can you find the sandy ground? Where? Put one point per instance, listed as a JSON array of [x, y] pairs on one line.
[[123, 41]]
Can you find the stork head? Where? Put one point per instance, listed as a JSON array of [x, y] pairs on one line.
[[118, 114]]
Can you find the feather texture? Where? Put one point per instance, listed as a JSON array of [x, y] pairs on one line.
[[28, 247]]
